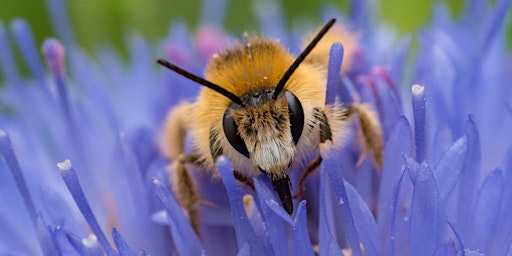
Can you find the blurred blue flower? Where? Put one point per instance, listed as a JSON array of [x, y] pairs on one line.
[[444, 188]]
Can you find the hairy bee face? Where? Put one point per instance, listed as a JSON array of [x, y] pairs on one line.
[[266, 130]]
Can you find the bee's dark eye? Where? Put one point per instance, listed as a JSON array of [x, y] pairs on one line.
[[231, 132], [296, 116]]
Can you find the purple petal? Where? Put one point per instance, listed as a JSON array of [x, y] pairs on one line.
[[301, 240], [485, 213], [398, 143], [357, 12], [459, 245], [47, 238], [327, 242], [244, 232], [245, 250], [331, 166], [448, 169], [495, 24], [364, 221], [388, 101], [25, 40], [469, 178], [418, 107], [333, 72], [7, 152], [55, 58], [425, 213], [54, 54], [185, 240], [7, 62], [122, 247], [213, 12], [271, 21], [59, 16], [504, 233], [69, 176], [272, 216], [398, 226]]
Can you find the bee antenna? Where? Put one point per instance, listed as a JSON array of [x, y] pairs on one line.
[[201, 81], [302, 56]]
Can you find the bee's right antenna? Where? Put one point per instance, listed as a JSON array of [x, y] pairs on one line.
[[302, 56], [201, 81]]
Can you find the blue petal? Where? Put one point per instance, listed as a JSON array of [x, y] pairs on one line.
[[418, 107], [301, 240], [122, 247], [213, 12], [358, 9], [497, 20], [398, 143], [448, 169], [425, 212], [330, 165], [326, 241], [333, 72], [244, 232], [271, 21], [504, 233], [60, 21], [185, 240], [7, 62], [272, 216], [8, 154], [69, 176], [469, 178], [485, 213], [245, 250], [363, 220], [25, 40], [47, 238], [459, 245]]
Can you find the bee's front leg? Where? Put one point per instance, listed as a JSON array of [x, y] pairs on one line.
[[312, 166], [325, 135], [185, 188]]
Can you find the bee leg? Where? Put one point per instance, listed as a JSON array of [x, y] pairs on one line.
[[325, 135], [312, 166], [370, 132], [185, 188], [243, 179], [173, 145]]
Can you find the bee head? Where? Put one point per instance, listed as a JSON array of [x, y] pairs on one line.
[[265, 129]]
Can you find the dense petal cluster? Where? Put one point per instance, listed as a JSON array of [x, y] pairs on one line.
[[81, 174]]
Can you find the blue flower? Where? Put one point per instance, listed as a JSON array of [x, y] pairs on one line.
[[81, 173]]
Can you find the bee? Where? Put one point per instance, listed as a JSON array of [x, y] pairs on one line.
[[265, 111]]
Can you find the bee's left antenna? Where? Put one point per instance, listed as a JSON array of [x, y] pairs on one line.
[[201, 81], [302, 56]]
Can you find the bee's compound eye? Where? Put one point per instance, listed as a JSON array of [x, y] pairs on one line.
[[296, 116], [231, 132]]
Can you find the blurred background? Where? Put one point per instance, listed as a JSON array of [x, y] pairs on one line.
[[99, 22]]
